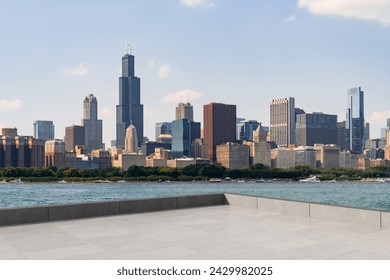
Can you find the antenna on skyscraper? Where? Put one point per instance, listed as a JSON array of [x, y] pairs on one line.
[[129, 47]]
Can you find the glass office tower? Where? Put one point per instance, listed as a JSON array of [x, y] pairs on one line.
[[355, 120]]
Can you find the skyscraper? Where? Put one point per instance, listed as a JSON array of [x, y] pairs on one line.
[[43, 130], [183, 133], [163, 128], [355, 120], [185, 111], [245, 130], [316, 128], [130, 110], [131, 140], [93, 127], [219, 126], [282, 121], [74, 136]]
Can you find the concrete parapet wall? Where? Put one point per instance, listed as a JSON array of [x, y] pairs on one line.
[[241, 200], [284, 206], [25, 215], [355, 216], [365, 217]]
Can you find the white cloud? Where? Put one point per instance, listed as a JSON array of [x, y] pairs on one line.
[[379, 118], [78, 70], [10, 105], [198, 3], [185, 95], [377, 10], [290, 18], [164, 71], [107, 112]]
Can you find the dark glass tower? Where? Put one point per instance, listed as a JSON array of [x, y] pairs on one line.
[[355, 120], [130, 110]]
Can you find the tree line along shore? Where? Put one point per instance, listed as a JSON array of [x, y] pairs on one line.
[[189, 173]]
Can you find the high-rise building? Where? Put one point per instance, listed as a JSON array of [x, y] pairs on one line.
[[130, 110], [163, 128], [184, 111], [341, 135], [21, 151], [55, 153], [245, 130], [43, 130], [74, 136], [355, 120], [93, 126], [183, 133], [12, 132], [219, 126], [233, 156], [316, 128], [282, 121], [131, 140]]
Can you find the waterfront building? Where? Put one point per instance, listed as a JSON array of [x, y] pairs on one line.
[[377, 143], [184, 111], [261, 150], [282, 121], [183, 133], [93, 127], [74, 136], [374, 153], [154, 162], [199, 148], [363, 162], [387, 148], [328, 156], [180, 162], [21, 151], [246, 129], [130, 110], [150, 146], [341, 135], [43, 130], [283, 157], [11, 132], [219, 126], [232, 155], [131, 140], [103, 156], [316, 128], [55, 153], [123, 160], [163, 128], [355, 120]]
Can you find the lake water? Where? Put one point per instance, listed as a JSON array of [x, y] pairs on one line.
[[355, 194]]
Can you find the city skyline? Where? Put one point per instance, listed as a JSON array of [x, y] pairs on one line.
[[272, 49]]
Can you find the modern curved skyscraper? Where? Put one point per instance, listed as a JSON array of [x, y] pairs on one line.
[[130, 110], [355, 120]]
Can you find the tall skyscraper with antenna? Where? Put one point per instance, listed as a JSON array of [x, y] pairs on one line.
[[130, 110]]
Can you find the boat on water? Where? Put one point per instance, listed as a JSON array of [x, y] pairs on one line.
[[102, 181], [122, 181], [3, 182], [311, 179], [17, 181], [261, 181], [62, 182], [215, 180]]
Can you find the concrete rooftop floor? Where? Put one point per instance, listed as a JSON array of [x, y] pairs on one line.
[[218, 232]]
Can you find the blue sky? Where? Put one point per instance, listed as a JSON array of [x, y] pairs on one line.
[[54, 53]]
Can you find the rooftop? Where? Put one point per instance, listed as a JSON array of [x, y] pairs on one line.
[[212, 232]]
